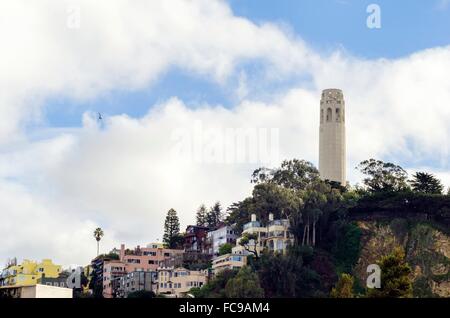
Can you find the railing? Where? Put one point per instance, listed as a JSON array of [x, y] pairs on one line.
[[279, 222], [251, 224]]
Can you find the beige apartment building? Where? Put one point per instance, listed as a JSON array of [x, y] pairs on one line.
[[177, 282], [252, 227], [278, 238], [275, 238], [228, 261]]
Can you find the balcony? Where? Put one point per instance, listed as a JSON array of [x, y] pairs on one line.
[[284, 223], [250, 225], [276, 234]]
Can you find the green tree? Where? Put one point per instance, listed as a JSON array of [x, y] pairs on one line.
[[344, 287], [201, 216], [239, 213], [395, 277], [293, 174], [172, 229], [98, 234], [278, 274], [244, 285], [225, 249], [250, 242], [383, 176], [426, 183], [214, 216], [215, 288]]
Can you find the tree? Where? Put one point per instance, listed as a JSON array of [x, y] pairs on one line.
[[395, 280], [214, 216], [383, 176], [426, 183], [344, 287], [293, 174], [171, 229], [278, 274], [244, 285], [214, 288], [225, 249], [201, 216], [250, 243], [239, 213], [98, 234]]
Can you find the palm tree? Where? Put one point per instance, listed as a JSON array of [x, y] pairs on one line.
[[98, 234]]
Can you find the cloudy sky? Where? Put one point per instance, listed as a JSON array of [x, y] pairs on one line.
[[170, 79]]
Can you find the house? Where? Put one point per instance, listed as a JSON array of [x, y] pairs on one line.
[[112, 271], [177, 282], [275, 237], [278, 238], [35, 291], [135, 281], [228, 261], [215, 239], [256, 228], [195, 239], [146, 258], [28, 273]]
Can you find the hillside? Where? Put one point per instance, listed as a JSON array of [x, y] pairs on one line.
[[427, 252]]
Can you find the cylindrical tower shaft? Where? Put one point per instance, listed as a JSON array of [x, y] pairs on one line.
[[332, 146]]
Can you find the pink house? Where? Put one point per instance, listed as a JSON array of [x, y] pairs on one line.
[[146, 258], [112, 270]]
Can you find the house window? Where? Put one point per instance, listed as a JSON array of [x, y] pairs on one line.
[[338, 114], [321, 115]]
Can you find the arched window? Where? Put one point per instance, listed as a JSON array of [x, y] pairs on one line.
[[329, 114], [321, 115], [338, 114]]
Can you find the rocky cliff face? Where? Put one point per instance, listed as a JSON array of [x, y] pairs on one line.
[[427, 251]]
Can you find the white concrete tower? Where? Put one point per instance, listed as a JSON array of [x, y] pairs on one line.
[[332, 148]]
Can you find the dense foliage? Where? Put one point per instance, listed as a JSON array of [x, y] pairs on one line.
[[327, 240]]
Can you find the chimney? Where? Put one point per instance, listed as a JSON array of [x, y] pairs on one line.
[[270, 217], [253, 218]]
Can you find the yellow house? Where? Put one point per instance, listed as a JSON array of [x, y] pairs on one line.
[[29, 272]]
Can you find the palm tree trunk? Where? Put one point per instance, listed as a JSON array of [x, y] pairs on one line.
[[98, 243]]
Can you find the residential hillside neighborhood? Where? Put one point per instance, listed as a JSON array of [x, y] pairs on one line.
[[156, 268]]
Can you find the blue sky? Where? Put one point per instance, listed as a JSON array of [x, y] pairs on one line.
[[325, 25]]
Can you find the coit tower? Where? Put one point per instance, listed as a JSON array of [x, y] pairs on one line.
[[332, 149]]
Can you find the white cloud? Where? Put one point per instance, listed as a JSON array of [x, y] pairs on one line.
[[123, 176]]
